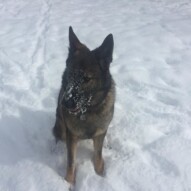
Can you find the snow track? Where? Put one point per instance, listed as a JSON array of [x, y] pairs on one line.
[[148, 145]]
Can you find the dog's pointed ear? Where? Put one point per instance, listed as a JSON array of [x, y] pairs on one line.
[[105, 51], [74, 43]]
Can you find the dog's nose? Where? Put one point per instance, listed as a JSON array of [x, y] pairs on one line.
[[69, 104]]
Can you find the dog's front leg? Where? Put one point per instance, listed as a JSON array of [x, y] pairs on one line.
[[98, 159], [71, 143]]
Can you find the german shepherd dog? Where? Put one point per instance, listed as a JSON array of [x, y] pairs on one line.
[[86, 100]]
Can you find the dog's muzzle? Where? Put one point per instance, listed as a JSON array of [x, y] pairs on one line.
[[76, 102]]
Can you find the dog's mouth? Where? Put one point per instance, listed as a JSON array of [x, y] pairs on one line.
[[79, 106], [79, 109], [74, 111], [72, 107]]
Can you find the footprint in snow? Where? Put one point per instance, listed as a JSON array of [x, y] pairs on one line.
[[167, 100], [166, 166]]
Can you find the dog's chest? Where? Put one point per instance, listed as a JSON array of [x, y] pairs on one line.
[[89, 125]]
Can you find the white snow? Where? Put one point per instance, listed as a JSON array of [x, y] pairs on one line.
[[148, 145]]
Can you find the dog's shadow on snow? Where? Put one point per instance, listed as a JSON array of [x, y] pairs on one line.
[[28, 136]]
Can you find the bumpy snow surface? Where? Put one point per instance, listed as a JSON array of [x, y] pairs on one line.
[[148, 145]]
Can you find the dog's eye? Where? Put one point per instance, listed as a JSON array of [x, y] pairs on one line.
[[86, 79]]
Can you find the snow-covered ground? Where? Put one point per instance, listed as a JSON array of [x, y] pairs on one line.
[[148, 145]]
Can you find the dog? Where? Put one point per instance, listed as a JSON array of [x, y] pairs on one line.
[[86, 100]]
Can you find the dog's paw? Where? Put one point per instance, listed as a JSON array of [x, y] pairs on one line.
[[70, 177], [99, 167], [71, 188]]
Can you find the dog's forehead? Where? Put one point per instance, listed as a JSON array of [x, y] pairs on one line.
[[85, 61]]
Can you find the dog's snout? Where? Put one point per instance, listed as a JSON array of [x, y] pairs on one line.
[[69, 104], [67, 96], [72, 95]]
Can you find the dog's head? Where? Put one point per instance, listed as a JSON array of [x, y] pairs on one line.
[[86, 79]]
